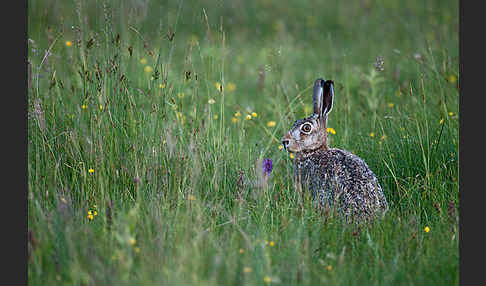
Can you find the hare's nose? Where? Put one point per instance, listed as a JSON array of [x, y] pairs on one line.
[[285, 143]]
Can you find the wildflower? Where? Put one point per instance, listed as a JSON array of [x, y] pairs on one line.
[[242, 251], [267, 166], [451, 113], [219, 86], [237, 114], [84, 106], [271, 123], [390, 105], [143, 61], [426, 229], [254, 114], [69, 43], [267, 279], [95, 213], [379, 64], [452, 78], [180, 95], [161, 85], [441, 121], [193, 40], [329, 267], [272, 243], [383, 137], [280, 147], [331, 130], [90, 213], [191, 198], [231, 87], [211, 101], [91, 171], [247, 269], [90, 217], [137, 249], [234, 119], [101, 107], [132, 241], [372, 134], [148, 69], [291, 156], [248, 117]]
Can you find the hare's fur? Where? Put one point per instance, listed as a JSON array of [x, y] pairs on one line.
[[336, 177]]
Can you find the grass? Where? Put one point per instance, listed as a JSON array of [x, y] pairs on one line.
[[175, 165]]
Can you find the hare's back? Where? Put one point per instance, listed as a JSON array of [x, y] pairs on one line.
[[349, 178]]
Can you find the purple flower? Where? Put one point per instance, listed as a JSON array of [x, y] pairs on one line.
[[267, 166]]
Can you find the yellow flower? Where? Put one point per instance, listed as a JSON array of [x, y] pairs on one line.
[[84, 106], [95, 213], [271, 123], [137, 249], [441, 121], [451, 113], [248, 117], [132, 241], [390, 105], [291, 156], [234, 119], [90, 216], [219, 86], [90, 213], [372, 134], [211, 101], [254, 114], [242, 251], [331, 130], [91, 171], [272, 244], [161, 85], [267, 279], [426, 229], [69, 43], [191, 198], [231, 87], [280, 147], [101, 107], [193, 40], [148, 69], [329, 267], [452, 78], [143, 61], [247, 269], [180, 95], [237, 114]]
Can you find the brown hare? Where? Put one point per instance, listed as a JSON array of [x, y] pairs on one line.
[[337, 177]]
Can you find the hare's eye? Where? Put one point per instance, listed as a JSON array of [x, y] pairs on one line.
[[306, 128]]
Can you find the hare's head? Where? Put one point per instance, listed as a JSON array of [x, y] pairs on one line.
[[310, 134]]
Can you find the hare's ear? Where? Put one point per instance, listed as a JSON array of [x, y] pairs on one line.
[[323, 96]]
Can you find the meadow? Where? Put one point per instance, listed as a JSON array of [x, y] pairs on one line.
[[149, 121]]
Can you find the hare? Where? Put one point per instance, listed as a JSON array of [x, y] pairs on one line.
[[339, 178]]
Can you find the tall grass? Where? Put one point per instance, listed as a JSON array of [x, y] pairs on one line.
[[144, 169]]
